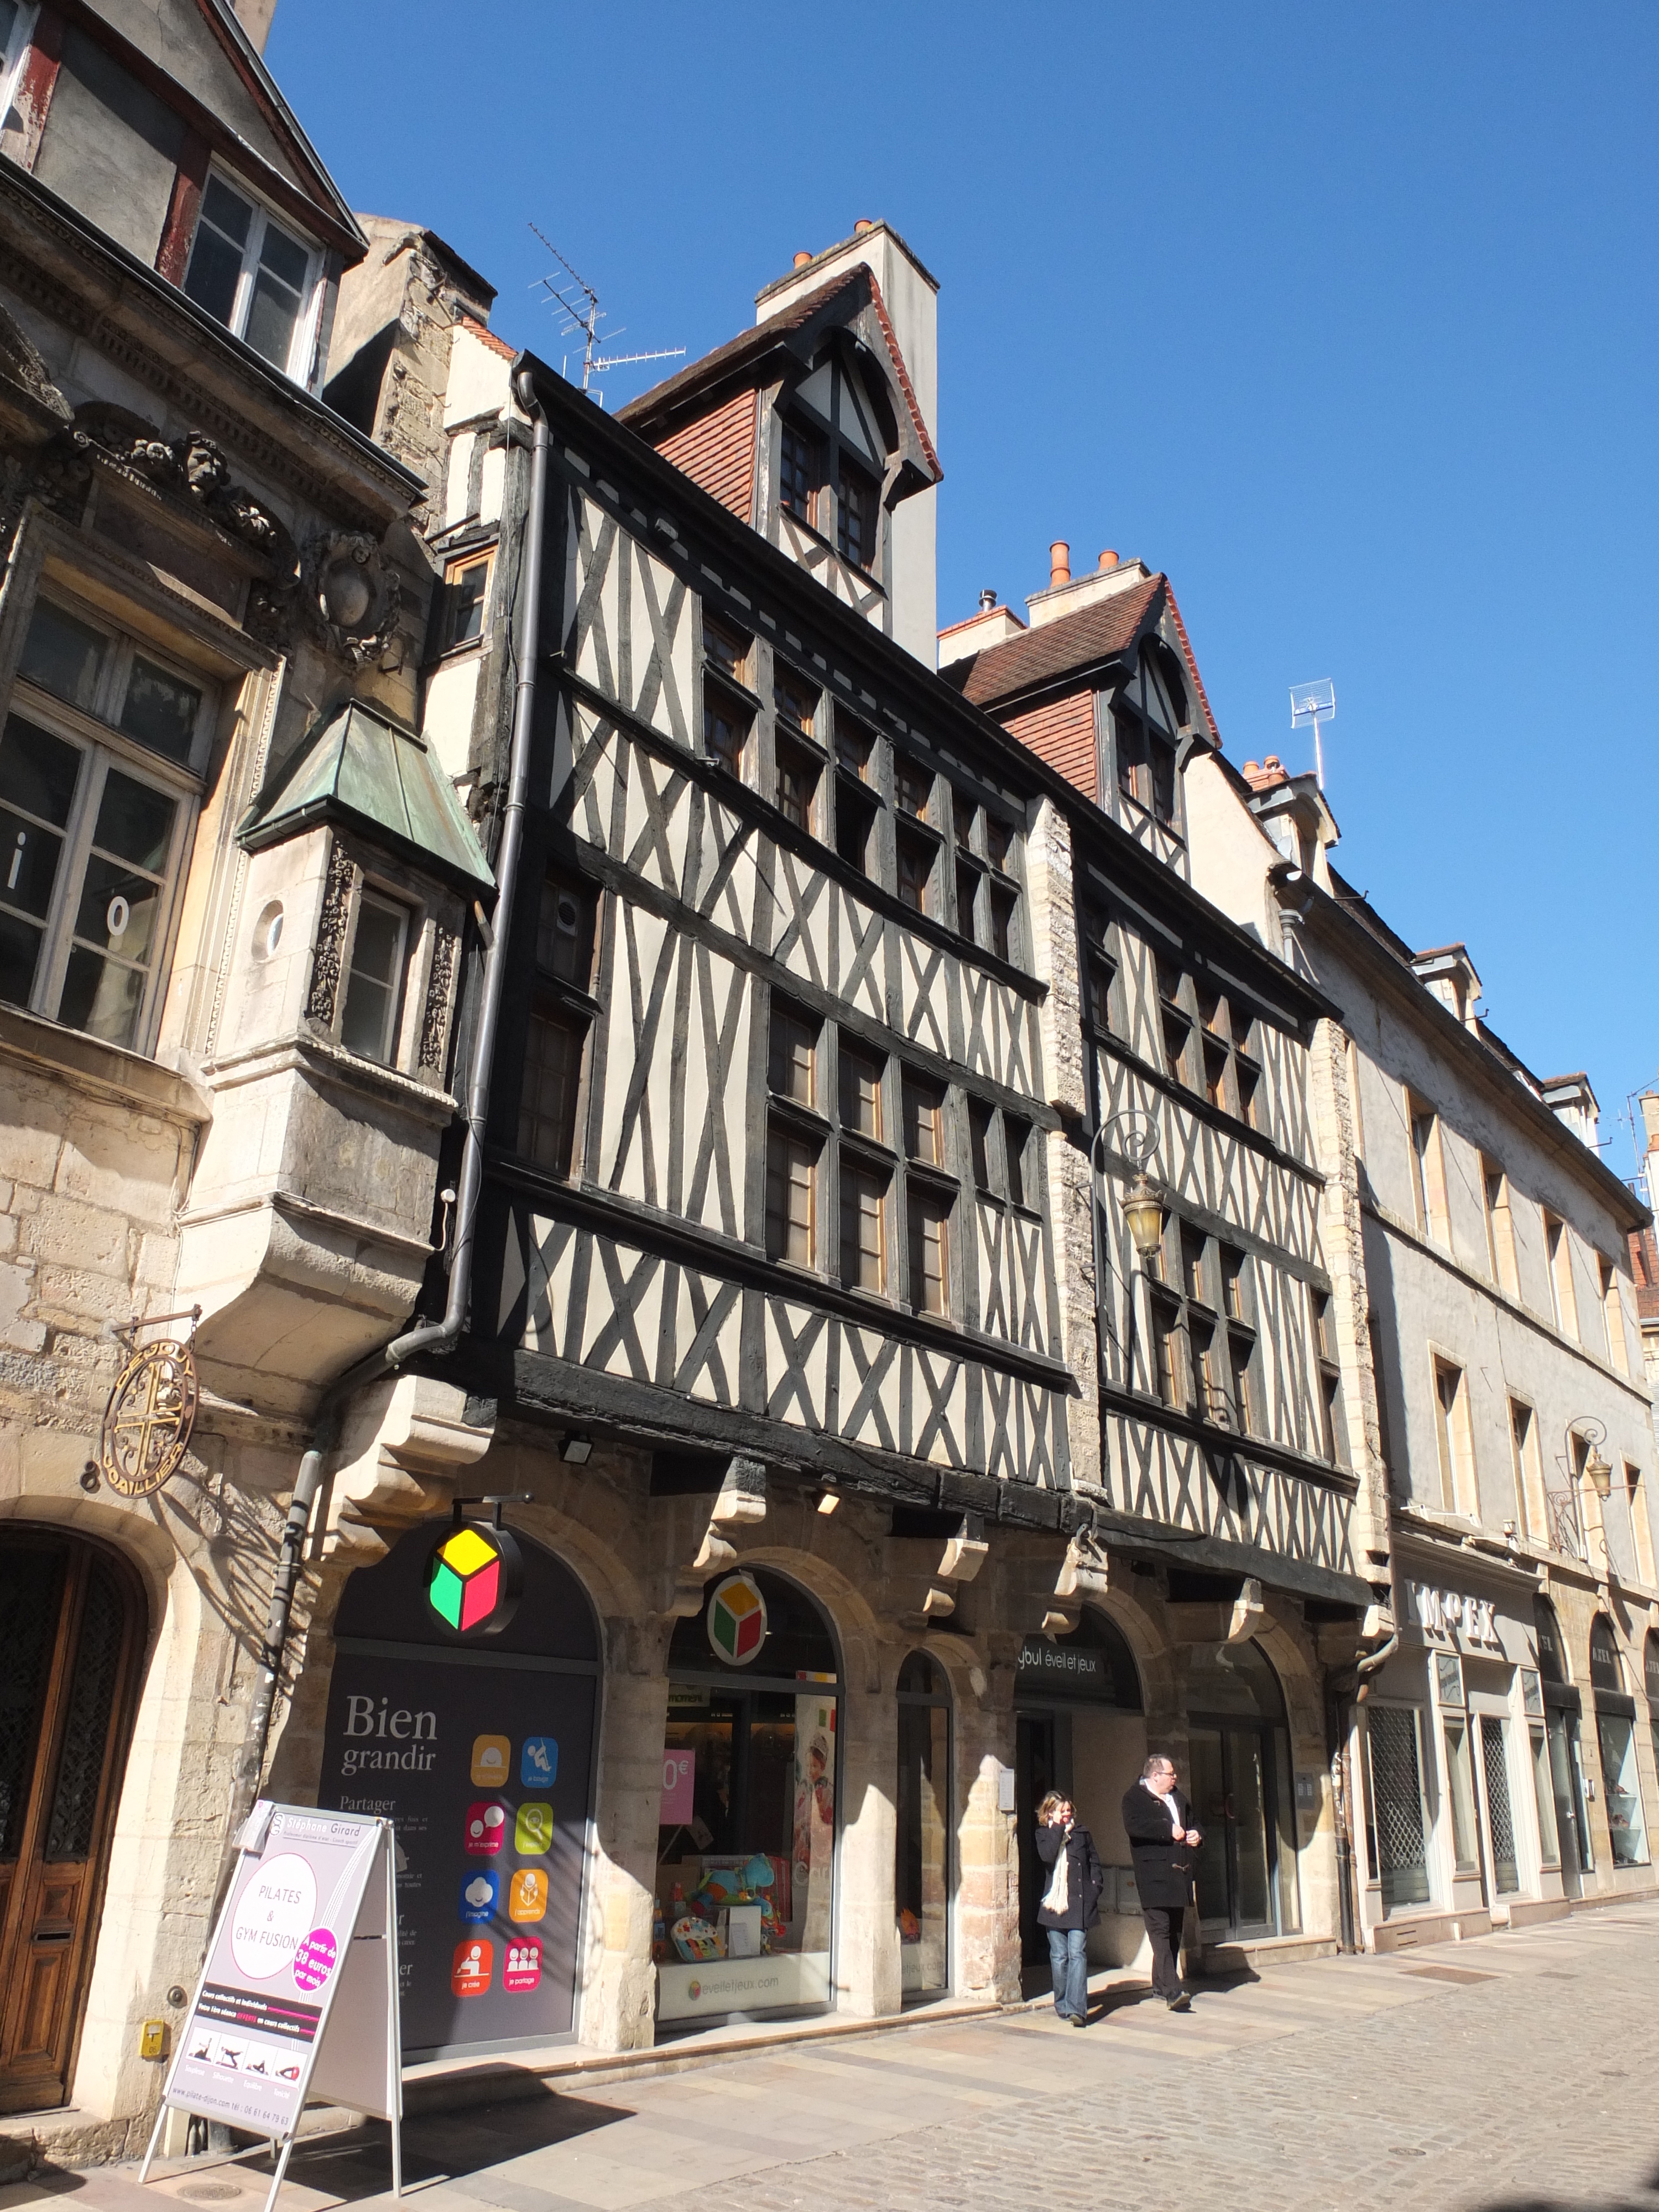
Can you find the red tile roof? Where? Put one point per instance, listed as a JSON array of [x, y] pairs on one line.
[[488, 338], [1056, 648]]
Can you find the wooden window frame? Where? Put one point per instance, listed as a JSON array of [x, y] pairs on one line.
[[464, 566], [263, 217]]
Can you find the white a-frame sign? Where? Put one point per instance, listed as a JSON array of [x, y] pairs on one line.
[[298, 2001]]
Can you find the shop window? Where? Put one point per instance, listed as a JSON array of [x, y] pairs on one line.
[[749, 1831], [1625, 1823], [1396, 1814], [1549, 1839], [1465, 1847], [252, 274], [96, 804], [922, 1869]]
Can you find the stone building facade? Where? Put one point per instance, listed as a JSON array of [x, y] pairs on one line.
[[1502, 1748], [923, 1289]]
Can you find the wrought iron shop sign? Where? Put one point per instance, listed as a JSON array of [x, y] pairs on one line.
[[150, 1413]]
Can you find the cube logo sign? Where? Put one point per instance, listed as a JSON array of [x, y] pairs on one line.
[[473, 1580], [737, 1619], [470, 1967]]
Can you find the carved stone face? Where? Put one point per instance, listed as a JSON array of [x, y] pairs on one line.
[[204, 467]]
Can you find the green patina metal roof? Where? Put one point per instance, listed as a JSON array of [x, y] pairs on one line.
[[357, 767]]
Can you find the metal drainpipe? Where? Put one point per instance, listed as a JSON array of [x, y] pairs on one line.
[[432, 1336]]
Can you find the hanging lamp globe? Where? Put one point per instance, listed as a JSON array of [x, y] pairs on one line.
[[1600, 1472], [1143, 1209]]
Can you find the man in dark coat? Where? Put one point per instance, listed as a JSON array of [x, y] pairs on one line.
[[1059, 1832], [1163, 1845]]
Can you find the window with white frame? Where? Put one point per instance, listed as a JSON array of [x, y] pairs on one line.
[[97, 801], [254, 275], [374, 980]]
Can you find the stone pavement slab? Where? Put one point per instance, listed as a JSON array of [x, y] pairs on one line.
[[1515, 2071]]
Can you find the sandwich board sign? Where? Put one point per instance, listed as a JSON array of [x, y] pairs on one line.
[[298, 2001]]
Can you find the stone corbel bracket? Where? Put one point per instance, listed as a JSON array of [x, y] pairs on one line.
[[1083, 1575], [739, 1502], [1248, 1612], [404, 1445], [963, 1555]]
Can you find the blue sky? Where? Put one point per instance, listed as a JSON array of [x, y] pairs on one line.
[[1344, 316]]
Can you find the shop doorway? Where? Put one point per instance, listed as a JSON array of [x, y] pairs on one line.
[[72, 1635], [1239, 1782], [478, 1747], [1567, 1767], [1043, 1762], [921, 1868], [1079, 1728]]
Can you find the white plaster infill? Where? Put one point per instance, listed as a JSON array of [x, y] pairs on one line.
[[1409, 1233]]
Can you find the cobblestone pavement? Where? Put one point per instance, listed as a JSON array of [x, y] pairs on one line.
[[1514, 2072]]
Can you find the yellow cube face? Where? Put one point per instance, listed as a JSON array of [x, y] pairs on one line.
[[467, 1552]]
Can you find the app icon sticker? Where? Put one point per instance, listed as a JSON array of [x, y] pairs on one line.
[[486, 1827], [492, 1756], [526, 1896], [481, 1895], [538, 1762], [471, 1966], [522, 1967], [533, 1829]]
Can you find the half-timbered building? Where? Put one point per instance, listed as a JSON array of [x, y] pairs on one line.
[[1233, 1480]]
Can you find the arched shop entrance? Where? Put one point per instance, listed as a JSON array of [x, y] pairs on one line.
[[478, 1747], [921, 1862], [71, 1646], [1240, 1784], [1079, 1728], [751, 1787]]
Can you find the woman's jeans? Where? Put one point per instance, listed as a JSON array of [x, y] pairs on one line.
[[1068, 1961]]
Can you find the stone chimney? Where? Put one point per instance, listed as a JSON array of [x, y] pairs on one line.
[[254, 16]]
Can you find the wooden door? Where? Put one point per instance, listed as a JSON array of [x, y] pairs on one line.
[[71, 1642]]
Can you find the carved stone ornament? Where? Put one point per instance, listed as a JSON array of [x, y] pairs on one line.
[[434, 1015], [353, 591], [191, 469], [326, 961], [149, 1419]]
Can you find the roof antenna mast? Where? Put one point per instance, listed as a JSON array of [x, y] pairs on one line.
[[579, 303], [1314, 703]]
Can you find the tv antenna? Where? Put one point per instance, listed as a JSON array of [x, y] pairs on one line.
[[579, 303], [1314, 703]]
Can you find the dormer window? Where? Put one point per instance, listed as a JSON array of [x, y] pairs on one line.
[[1147, 718], [855, 516], [800, 471], [253, 275]]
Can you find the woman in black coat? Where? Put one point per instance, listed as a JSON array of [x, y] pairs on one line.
[[1163, 1845], [1059, 1836]]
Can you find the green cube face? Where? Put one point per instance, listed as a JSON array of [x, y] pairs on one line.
[[445, 1593]]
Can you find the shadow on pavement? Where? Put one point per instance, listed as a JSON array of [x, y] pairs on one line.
[[440, 2145]]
